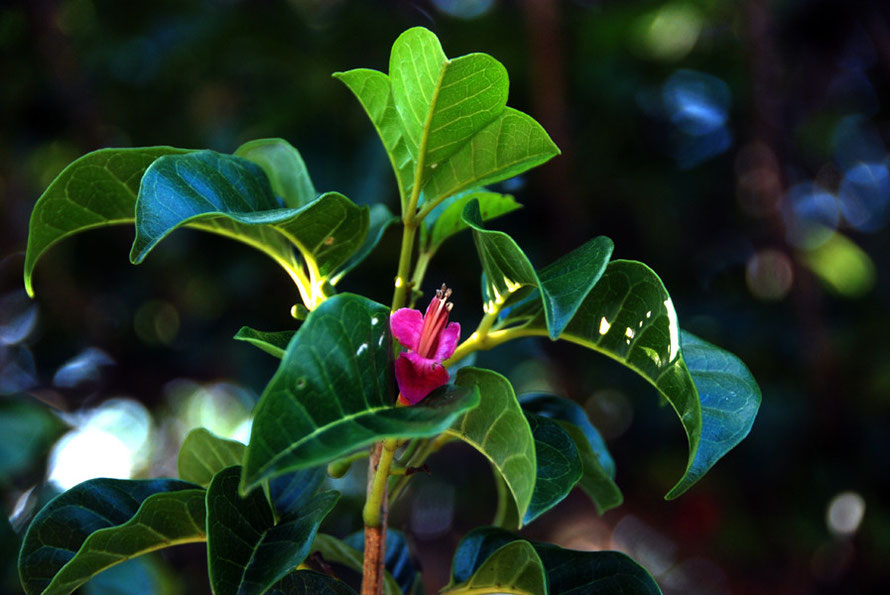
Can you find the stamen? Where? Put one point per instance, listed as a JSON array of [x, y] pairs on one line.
[[434, 321]]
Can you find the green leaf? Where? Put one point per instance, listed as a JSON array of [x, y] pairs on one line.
[[246, 551], [730, 399], [510, 145], [630, 317], [443, 103], [231, 196], [102, 522], [373, 91], [272, 342], [334, 392], [284, 167], [562, 409], [96, 190], [334, 550], [380, 218], [509, 275], [498, 429], [595, 481], [444, 123], [203, 454], [558, 465], [568, 571], [307, 582], [446, 219], [514, 568]]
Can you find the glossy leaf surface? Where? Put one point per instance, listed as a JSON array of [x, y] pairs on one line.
[[96, 190], [231, 196], [272, 342], [514, 568], [203, 454], [630, 317], [284, 167], [102, 522], [287, 492], [334, 392], [568, 571], [558, 465], [247, 552], [730, 399], [498, 429]]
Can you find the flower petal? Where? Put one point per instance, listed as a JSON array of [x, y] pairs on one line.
[[418, 376], [448, 339], [406, 325]]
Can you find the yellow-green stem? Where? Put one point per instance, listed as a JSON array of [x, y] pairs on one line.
[[377, 492], [402, 283]]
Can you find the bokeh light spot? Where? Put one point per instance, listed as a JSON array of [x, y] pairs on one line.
[[156, 322], [812, 216], [670, 32], [842, 266], [845, 513], [865, 196], [769, 275], [464, 9]]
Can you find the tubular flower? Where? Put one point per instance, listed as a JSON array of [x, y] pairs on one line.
[[430, 340]]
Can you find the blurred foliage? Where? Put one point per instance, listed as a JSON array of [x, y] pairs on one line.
[[739, 148]]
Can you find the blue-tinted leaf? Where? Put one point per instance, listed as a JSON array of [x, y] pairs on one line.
[[558, 465], [284, 167], [102, 522]]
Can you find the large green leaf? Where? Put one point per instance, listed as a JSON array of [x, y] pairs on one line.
[[498, 429], [96, 190], [562, 286], [307, 582], [514, 568], [284, 167], [29, 428], [569, 572], [334, 392], [247, 552], [231, 196], [203, 454], [558, 465], [730, 399], [102, 522], [272, 342], [446, 219], [444, 122], [336, 551], [630, 317]]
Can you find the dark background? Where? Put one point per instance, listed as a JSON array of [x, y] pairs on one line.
[[738, 148]]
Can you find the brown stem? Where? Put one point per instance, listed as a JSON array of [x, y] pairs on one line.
[[375, 536]]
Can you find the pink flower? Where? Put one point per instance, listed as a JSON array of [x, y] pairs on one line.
[[431, 340]]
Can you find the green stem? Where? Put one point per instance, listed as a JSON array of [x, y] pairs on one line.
[[377, 491], [402, 284], [423, 261]]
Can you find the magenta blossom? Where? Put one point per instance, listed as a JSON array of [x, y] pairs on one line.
[[431, 340]]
